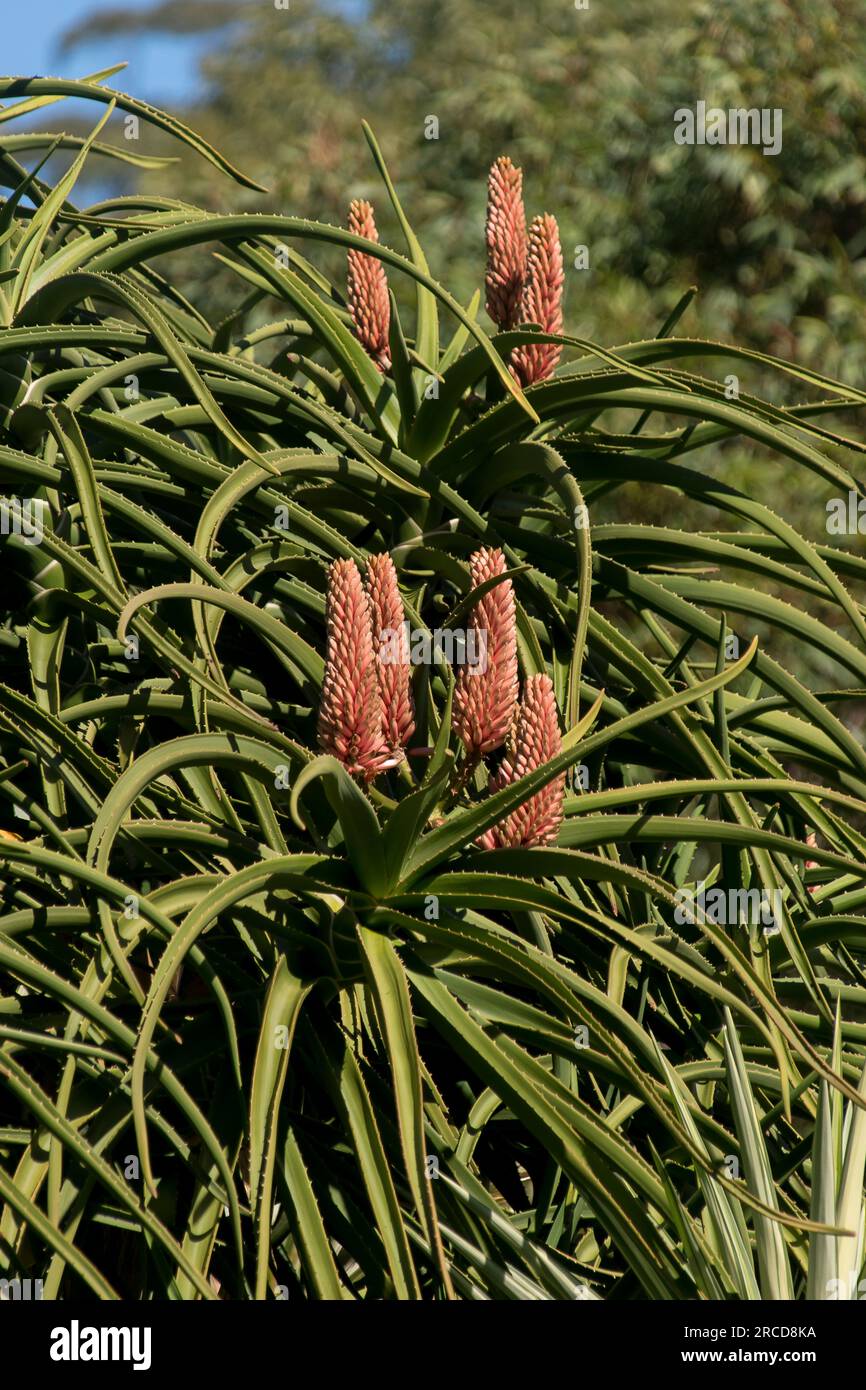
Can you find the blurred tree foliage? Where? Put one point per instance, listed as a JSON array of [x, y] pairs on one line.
[[584, 99]]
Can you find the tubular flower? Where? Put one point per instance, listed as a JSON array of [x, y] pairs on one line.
[[506, 242], [541, 301], [534, 740], [350, 710], [485, 692], [391, 648], [369, 304]]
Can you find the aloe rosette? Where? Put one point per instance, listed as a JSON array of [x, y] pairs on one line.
[[385, 1011]]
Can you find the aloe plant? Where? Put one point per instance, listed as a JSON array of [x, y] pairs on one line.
[[274, 1027]]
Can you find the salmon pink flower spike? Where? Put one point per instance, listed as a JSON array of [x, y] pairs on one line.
[[541, 301], [506, 242], [485, 693], [369, 304], [535, 739], [350, 710], [812, 842], [391, 647]]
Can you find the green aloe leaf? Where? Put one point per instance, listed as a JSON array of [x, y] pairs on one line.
[[775, 1272], [279, 1018], [42, 90]]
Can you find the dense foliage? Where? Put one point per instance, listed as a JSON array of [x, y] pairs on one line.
[[269, 1030], [584, 100]]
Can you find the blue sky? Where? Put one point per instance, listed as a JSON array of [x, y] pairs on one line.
[[160, 69]]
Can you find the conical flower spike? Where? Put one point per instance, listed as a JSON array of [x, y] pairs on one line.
[[350, 711], [369, 304], [391, 646], [506, 242], [541, 301], [485, 692], [535, 739]]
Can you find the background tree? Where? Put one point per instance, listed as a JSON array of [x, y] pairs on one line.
[[584, 100]]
